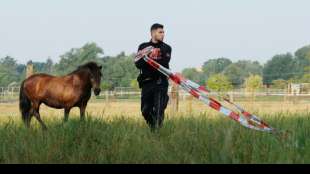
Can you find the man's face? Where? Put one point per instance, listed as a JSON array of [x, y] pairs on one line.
[[158, 34]]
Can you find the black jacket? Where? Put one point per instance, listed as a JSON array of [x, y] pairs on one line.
[[148, 73]]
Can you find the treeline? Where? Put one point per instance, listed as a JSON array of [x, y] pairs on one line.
[[120, 70], [117, 70], [277, 72]]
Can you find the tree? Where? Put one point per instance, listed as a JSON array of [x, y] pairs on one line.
[[39, 67], [43, 67], [219, 83], [252, 83], [194, 75], [235, 74], [238, 71], [303, 53], [302, 61], [49, 66], [105, 86], [21, 69], [249, 67], [134, 84], [116, 70], [215, 66], [303, 56], [305, 78], [281, 66], [8, 71], [279, 84], [78, 56], [119, 70]]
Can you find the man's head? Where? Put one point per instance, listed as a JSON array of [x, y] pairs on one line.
[[157, 32]]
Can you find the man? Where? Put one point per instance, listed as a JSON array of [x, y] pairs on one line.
[[154, 85]]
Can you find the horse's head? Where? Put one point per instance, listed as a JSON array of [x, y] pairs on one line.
[[95, 76], [96, 79]]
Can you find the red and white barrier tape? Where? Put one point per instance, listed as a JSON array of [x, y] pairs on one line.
[[200, 92]]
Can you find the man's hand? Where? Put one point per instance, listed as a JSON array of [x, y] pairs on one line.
[[144, 52]]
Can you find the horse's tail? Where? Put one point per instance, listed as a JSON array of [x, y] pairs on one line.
[[24, 104]]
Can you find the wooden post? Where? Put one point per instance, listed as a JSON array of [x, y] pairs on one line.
[[286, 93], [29, 70], [107, 96], [174, 98]]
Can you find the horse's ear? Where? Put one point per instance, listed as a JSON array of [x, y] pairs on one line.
[[100, 67]]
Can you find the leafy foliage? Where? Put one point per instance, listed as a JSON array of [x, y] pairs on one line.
[[219, 83], [253, 82], [279, 67], [10, 71], [279, 84], [120, 70], [215, 66], [194, 75], [78, 56]]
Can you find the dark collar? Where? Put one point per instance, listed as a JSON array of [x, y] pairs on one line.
[[152, 43]]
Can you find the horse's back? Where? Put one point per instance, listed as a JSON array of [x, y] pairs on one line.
[[54, 91], [39, 76], [34, 80]]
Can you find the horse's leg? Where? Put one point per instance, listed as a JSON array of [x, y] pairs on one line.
[[28, 118], [82, 111], [38, 117], [66, 115]]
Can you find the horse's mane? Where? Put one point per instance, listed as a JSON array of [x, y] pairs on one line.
[[89, 65]]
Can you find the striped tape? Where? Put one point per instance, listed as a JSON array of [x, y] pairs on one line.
[[245, 118]]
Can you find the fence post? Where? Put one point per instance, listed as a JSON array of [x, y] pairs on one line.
[[174, 98], [107, 96]]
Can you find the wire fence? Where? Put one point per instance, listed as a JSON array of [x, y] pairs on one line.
[[11, 94]]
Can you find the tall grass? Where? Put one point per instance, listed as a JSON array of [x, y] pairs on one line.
[[184, 139]]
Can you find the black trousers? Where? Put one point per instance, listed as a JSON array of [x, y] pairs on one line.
[[154, 100]]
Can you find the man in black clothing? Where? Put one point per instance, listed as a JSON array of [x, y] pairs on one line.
[[154, 97]]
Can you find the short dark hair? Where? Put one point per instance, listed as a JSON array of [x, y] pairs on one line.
[[156, 26]]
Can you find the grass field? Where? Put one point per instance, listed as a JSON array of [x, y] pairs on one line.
[[115, 132]]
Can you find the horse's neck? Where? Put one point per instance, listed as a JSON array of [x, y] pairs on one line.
[[83, 75]]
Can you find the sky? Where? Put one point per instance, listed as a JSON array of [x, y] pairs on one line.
[[197, 30]]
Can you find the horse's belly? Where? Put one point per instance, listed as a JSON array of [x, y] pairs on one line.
[[54, 104], [63, 99]]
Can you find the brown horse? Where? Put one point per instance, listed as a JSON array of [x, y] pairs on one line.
[[64, 92]]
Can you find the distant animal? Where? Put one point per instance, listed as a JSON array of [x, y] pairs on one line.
[[61, 92]]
